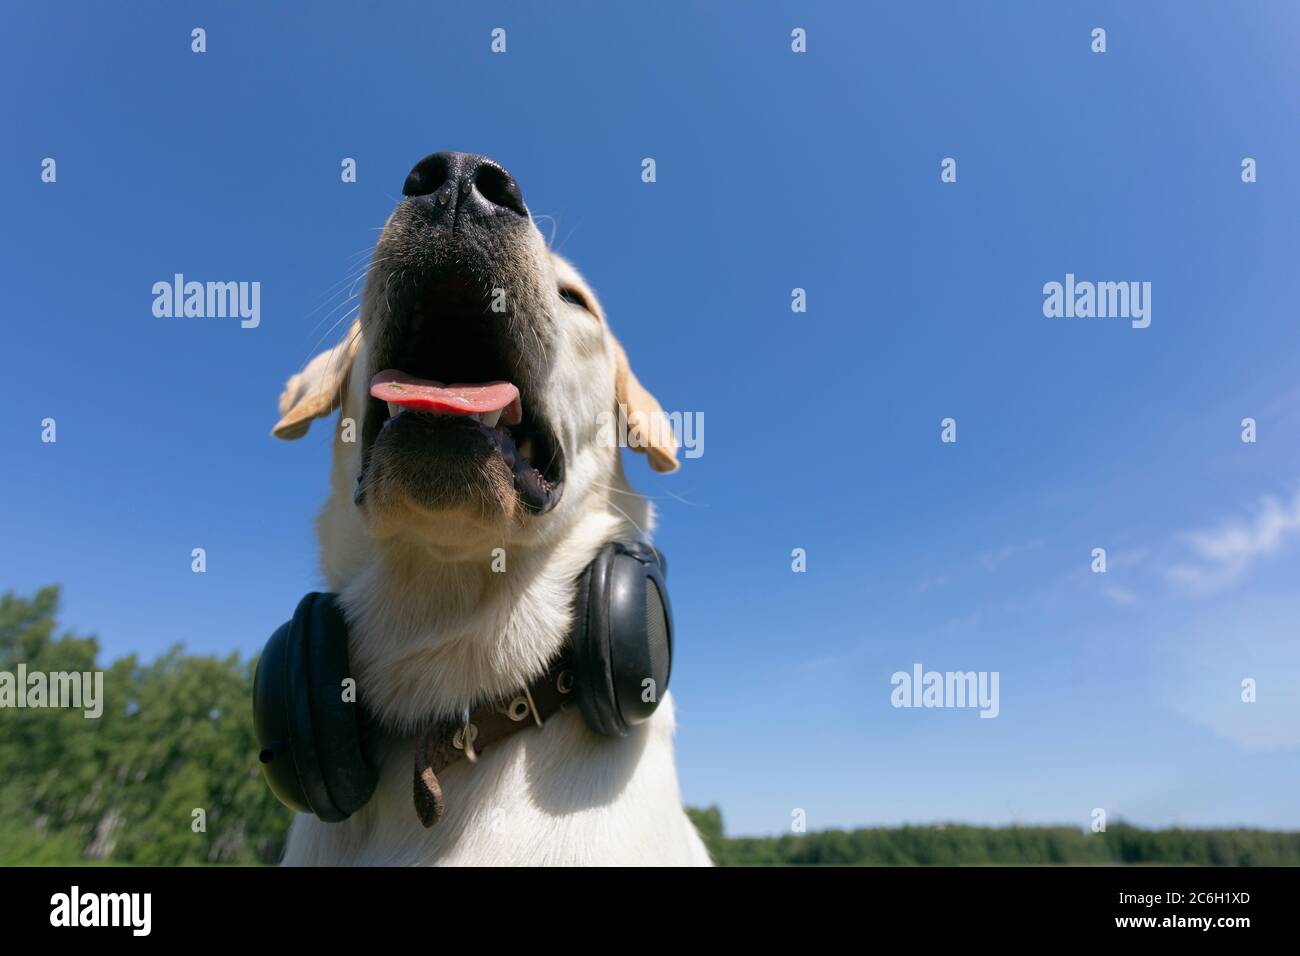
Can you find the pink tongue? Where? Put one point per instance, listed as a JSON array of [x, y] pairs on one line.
[[423, 395]]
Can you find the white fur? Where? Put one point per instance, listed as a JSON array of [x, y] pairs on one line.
[[434, 629]]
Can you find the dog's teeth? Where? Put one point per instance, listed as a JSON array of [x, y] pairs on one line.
[[489, 419], [526, 448]]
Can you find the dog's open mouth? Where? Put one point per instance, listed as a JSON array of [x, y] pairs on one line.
[[449, 417], [495, 410]]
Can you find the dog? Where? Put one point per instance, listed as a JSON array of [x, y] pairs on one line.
[[453, 541]]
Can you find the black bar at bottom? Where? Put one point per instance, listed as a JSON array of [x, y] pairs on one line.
[[217, 904]]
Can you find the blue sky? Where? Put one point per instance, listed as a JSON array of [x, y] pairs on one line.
[[775, 170]]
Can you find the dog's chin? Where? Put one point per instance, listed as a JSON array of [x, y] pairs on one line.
[[437, 464], [453, 474]]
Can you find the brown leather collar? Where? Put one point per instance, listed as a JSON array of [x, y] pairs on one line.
[[482, 727]]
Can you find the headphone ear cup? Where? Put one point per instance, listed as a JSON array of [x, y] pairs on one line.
[[313, 752], [589, 639], [345, 765], [640, 635], [271, 719], [622, 638]]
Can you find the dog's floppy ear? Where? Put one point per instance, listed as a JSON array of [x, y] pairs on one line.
[[318, 389], [653, 432]]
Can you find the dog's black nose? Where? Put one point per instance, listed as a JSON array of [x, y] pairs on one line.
[[465, 184]]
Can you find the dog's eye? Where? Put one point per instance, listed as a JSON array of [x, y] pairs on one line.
[[574, 296]]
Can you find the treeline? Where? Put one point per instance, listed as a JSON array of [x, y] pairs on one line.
[[966, 845], [168, 775]]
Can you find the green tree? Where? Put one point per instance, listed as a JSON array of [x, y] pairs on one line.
[[175, 736]]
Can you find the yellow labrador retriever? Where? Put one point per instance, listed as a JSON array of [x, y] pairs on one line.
[[459, 519]]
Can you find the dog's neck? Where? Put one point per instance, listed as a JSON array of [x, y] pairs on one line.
[[430, 638]]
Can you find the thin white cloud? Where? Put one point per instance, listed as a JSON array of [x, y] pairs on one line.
[[930, 582], [992, 560], [1202, 675], [1121, 597], [1225, 553]]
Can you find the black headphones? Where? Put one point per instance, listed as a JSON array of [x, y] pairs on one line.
[[316, 749]]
